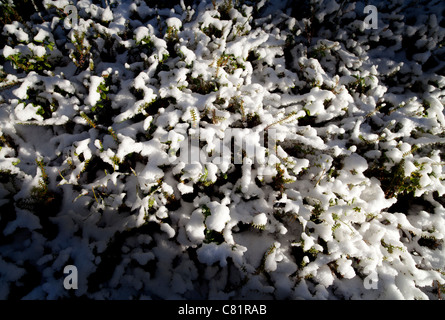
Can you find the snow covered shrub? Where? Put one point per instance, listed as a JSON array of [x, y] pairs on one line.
[[223, 149]]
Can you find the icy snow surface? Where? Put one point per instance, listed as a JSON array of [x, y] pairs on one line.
[[224, 149]]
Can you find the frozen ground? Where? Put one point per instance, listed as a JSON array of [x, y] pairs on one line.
[[97, 109]]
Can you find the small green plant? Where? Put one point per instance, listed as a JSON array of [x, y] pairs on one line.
[[253, 120], [359, 85], [211, 30], [259, 226], [8, 14], [17, 10], [116, 161], [206, 211], [35, 97], [229, 63], [236, 104], [210, 115], [430, 242], [440, 289], [86, 164], [146, 42], [389, 247], [81, 54], [31, 62], [171, 34], [153, 106], [102, 193], [103, 89], [213, 236], [262, 266], [278, 181], [45, 179], [319, 51], [394, 181], [42, 199], [172, 38], [203, 178], [113, 134], [335, 227], [224, 9], [88, 120], [201, 86], [316, 212], [195, 117], [145, 45]]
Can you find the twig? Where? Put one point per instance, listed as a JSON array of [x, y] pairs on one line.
[[321, 176], [280, 121], [37, 10]]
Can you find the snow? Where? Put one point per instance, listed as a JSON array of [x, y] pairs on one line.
[[195, 227], [8, 51], [17, 29], [260, 220], [94, 95], [107, 14], [219, 216], [233, 150], [141, 33], [173, 22]]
